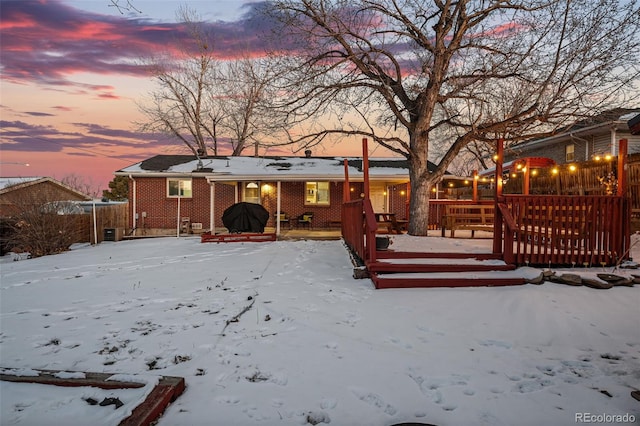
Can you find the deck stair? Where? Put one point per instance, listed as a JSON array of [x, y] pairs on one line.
[[409, 270]]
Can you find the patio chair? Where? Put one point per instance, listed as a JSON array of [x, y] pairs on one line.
[[283, 218], [305, 219]]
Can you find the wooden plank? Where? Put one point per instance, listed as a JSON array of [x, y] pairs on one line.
[[156, 402], [389, 283], [145, 414], [231, 238], [422, 267]]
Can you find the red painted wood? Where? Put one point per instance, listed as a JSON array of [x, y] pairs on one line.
[[166, 391], [386, 282], [421, 267], [234, 238], [567, 230], [156, 402], [391, 254]]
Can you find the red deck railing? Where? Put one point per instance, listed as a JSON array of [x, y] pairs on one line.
[[565, 230], [359, 227]]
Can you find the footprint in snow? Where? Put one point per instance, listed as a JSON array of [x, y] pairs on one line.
[[495, 343], [374, 400]]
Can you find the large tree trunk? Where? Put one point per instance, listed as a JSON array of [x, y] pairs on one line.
[[419, 199]]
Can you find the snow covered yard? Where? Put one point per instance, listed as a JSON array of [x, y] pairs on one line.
[[280, 333]]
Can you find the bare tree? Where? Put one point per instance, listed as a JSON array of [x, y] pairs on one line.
[[124, 6], [204, 101], [84, 185], [480, 69], [248, 120], [41, 224], [178, 107]]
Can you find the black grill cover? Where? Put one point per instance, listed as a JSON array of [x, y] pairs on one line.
[[245, 217]]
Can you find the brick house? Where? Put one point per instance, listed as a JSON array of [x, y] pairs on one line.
[[583, 141], [34, 190], [179, 192]]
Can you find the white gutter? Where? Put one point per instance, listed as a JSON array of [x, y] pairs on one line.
[[564, 135]]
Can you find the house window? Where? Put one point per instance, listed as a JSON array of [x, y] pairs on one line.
[[317, 193], [179, 188], [251, 193], [569, 151]]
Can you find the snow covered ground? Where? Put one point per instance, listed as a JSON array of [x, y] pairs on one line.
[[280, 333]]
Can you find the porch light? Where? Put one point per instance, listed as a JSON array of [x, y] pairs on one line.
[[573, 168], [450, 184], [608, 157], [252, 185], [466, 181], [534, 172], [434, 189], [554, 171], [266, 187], [597, 158], [401, 192]]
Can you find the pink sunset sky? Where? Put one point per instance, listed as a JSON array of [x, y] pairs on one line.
[[70, 81]]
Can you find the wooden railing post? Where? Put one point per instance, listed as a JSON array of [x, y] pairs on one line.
[[365, 167], [625, 212], [622, 168], [346, 192], [497, 222], [475, 186]]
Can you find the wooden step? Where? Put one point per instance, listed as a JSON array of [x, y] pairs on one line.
[[438, 265], [457, 279]]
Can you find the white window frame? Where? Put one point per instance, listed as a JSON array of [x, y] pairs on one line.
[[184, 192], [570, 152], [257, 199], [312, 198]]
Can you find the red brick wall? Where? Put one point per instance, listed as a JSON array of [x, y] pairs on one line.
[[161, 211]]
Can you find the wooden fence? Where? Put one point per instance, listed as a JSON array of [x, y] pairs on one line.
[[581, 231], [114, 216], [584, 179]]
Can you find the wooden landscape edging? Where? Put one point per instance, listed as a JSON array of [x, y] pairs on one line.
[[207, 237], [168, 389]]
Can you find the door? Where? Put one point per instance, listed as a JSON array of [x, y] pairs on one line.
[[378, 195]]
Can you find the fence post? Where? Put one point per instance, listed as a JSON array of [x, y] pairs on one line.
[[365, 166], [622, 167], [475, 186], [497, 215]]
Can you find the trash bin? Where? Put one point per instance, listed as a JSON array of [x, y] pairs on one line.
[[109, 234]]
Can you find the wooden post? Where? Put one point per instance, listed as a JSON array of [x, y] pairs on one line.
[[622, 192], [622, 167], [475, 186], [497, 217], [527, 176], [346, 190], [365, 167]]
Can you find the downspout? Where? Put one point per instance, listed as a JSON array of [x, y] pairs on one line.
[[586, 145], [614, 141], [135, 213]]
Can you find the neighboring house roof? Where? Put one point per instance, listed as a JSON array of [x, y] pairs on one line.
[[634, 124], [598, 124], [10, 184], [269, 168]]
